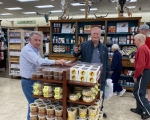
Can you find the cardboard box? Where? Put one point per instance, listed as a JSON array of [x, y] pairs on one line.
[[74, 72]]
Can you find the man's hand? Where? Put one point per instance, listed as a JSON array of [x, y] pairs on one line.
[[111, 72], [76, 49], [60, 62], [135, 80]]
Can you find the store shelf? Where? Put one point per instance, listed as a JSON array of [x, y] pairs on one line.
[[14, 49], [14, 61], [81, 102], [64, 43], [122, 44], [15, 68], [63, 33], [87, 33], [71, 82], [13, 36], [14, 42], [126, 76], [47, 81], [127, 86], [14, 75], [123, 33], [49, 98]]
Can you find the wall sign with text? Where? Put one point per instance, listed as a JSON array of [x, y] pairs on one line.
[[26, 22]]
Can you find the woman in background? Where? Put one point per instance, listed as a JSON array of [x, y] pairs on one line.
[[116, 67]]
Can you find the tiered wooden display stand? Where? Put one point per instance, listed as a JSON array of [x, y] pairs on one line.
[[65, 82]]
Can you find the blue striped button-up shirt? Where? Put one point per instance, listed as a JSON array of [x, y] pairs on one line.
[[30, 60]]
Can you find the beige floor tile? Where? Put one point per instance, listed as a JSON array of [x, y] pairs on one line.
[[13, 104]]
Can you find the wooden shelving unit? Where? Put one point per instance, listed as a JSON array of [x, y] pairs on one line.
[[17, 39], [65, 84], [46, 32]]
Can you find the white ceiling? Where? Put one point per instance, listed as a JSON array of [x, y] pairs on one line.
[[103, 7]]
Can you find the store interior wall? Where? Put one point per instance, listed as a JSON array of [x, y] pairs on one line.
[[40, 21]]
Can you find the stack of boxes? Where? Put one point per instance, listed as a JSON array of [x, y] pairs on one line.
[[85, 73]]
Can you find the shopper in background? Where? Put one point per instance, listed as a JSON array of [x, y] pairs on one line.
[[141, 76], [93, 51], [30, 59], [144, 29], [116, 67]]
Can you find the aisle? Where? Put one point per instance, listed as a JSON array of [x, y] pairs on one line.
[[13, 105]]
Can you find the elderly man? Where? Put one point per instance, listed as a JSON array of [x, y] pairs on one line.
[[144, 29], [93, 51], [141, 76], [30, 59]]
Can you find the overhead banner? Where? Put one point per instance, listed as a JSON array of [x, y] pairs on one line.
[[26, 22]]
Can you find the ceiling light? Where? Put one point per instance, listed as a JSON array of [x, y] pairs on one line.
[[6, 14], [77, 4], [1, 3], [44, 6], [56, 11], [126, 0], [15, 8], [27, 0], [29, 12], [131, 6], [92, 9], [133, 0]]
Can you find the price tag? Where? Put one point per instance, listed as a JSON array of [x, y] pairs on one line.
[[92, 115], [36, 86], [57, 89], [45, 89], [36, 92], [79, 95], [82, 115], [57, 96]]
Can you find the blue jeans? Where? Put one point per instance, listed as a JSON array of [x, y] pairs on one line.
[[27, 90], [103, 89]]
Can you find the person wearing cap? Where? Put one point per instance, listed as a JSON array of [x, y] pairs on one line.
[[144, 29], [116, 67], [141, 76]]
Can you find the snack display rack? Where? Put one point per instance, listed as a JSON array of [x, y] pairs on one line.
[[65, 86]]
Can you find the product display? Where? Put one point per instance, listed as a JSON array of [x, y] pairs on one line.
[[85, 73]]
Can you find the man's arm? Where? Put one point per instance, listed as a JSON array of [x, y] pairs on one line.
[[35, 58]]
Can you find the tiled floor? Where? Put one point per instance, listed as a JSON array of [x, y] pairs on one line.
[[13, 105]]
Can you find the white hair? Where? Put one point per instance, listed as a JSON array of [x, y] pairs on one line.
[[140, 36], [115, 47], [37, 33]]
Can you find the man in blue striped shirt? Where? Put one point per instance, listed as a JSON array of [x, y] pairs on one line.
[[30, 60]]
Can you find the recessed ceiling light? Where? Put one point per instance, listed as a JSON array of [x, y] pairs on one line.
[[6, 14], [27, 0], [131, 6], [92, 9], [15, 8], [1, 3], [44, 6], [29, 12], [133, 0], [76, 4], [127, 1], [56, 11]]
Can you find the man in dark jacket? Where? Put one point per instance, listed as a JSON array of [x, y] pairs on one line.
[[93, 51]]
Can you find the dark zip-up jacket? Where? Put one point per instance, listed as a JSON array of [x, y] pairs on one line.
[[86, 56]]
